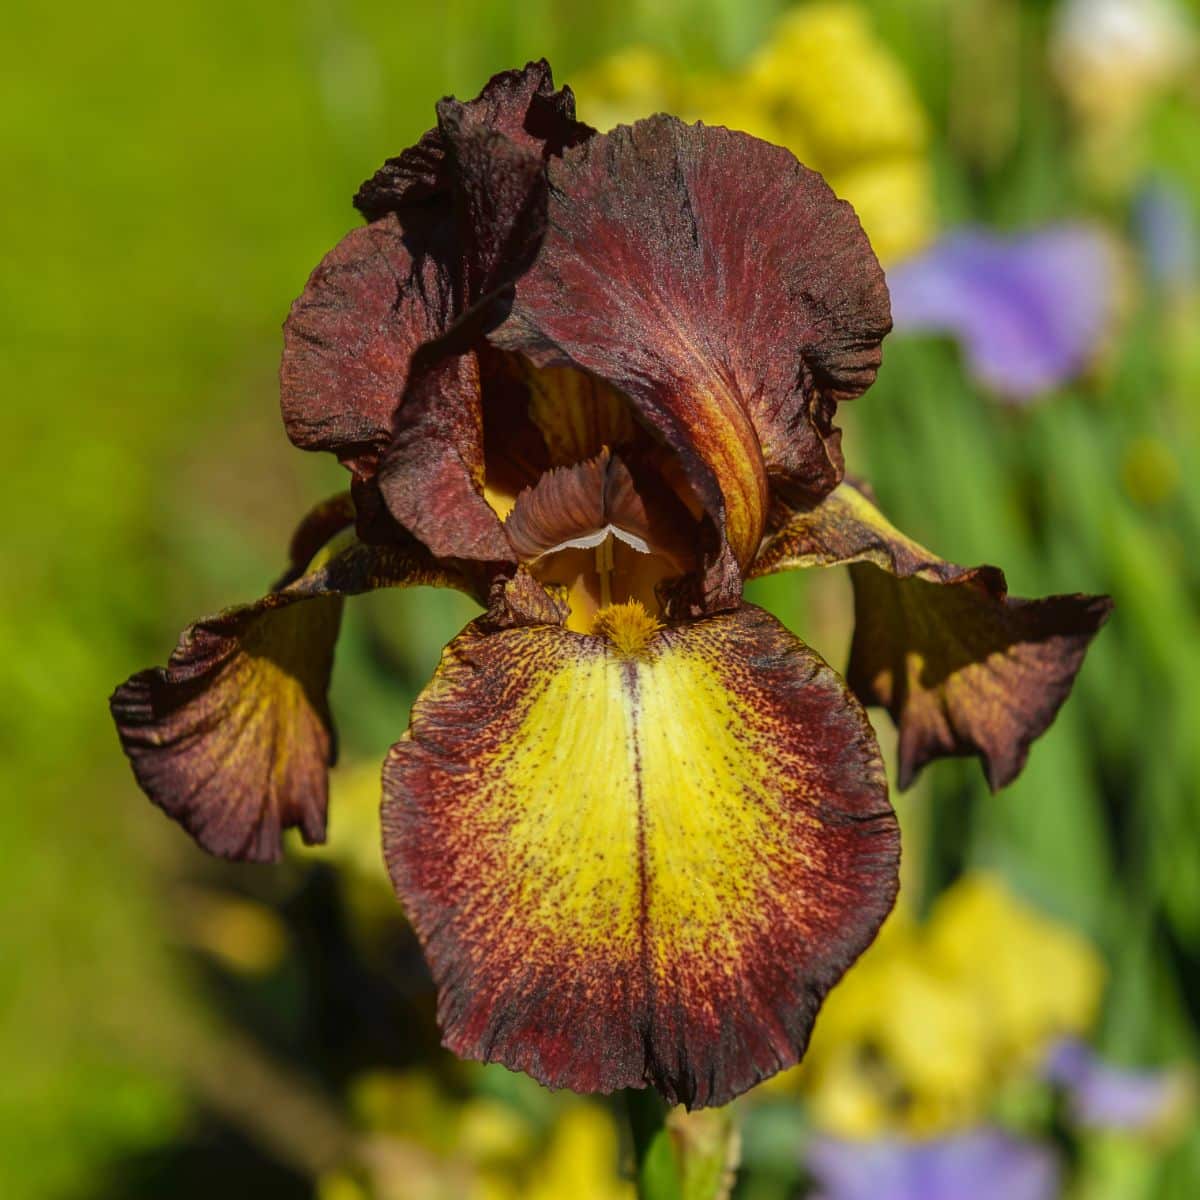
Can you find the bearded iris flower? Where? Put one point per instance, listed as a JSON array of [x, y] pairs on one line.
[[590, 380]]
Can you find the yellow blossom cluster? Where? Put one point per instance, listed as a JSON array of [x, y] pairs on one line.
[[824, 86], [938, 1015]]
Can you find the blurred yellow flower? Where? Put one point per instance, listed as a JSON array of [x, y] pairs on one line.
[[1034, 978], [245, 936], [632, 83], [582, 1161], [825, 87], [825, 72], [933, 1017], [424, 1143]]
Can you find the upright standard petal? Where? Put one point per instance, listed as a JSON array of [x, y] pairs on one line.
[[368, 371], [349, 339], [641, 858], [482, 170], [962, 667], [233, 737], [723, 288]]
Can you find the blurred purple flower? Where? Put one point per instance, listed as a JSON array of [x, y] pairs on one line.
[[1166, 230], [983, 1164], [1029, 311], [1103, 1096]]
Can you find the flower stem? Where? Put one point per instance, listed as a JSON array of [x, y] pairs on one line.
[[656, 1168]]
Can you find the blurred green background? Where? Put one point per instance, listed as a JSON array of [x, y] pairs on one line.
[[170, 175]]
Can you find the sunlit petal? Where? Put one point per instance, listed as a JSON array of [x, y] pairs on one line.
[[642, 859]]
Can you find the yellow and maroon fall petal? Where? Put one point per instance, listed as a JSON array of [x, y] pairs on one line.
[[640, 857], [722, 287], [233, 737], [963, 668]]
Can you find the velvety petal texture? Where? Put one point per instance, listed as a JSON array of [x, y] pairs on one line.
[[233, 738], [369, 371], [963, 668], [639, 860], [484, 164], [349, 339], [723, 288], [1029, 311]]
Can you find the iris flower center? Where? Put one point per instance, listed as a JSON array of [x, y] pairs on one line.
[[590, 501]]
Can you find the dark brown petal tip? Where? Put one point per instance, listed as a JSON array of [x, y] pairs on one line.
[[233, 737], [963, 668], [484, 168], [639, 863], [350, 338], [723, 288], [520, 105]]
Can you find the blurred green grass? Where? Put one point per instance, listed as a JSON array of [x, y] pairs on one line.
[[170, 174]]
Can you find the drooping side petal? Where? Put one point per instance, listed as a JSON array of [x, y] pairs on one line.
[[233, 737], [963, 668], [723, 288], [643, 865]]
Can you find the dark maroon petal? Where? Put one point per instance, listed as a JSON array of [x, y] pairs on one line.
[[963, 668], [522, 106], [432, 478], [485, 166], [724, 289], [349, 340], [233, 737]]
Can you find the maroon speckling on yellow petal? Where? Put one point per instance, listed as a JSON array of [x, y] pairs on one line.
[[639, 860]]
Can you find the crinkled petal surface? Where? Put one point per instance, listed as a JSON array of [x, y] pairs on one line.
[[962, 667], [981, 1164], [349, 339], [521, 106], [233, 737], [432, 478], [1029, 311], [723, 288], [377, 365], [639, 868]]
